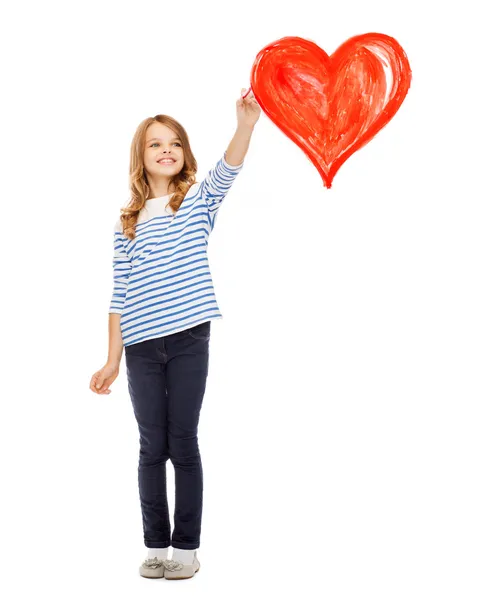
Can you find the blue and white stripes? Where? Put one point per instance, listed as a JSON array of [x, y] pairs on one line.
[[162, 279]]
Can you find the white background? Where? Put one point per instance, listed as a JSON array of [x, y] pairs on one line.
[[350, 429]]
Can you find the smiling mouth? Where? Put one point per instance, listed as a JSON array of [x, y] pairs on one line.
[[166, 162]]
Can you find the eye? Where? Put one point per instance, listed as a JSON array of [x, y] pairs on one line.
[[151, 146]]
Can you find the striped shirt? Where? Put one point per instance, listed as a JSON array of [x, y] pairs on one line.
[[161, 280]]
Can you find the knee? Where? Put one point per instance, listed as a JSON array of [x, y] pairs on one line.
[[184, 451], [153, 452]]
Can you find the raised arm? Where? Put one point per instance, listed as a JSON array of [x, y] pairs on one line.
[[238, 146], [248, 112], [218, 181]]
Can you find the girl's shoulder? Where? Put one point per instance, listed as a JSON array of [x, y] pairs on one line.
[[193, 189]]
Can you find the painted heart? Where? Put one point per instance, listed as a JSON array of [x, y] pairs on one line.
[[331, 106]]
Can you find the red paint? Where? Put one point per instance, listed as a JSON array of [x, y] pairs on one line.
[[331, 106]]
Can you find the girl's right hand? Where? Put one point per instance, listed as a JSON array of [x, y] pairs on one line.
[[102, 379]]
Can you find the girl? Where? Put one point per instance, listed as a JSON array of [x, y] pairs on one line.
[[161, 310]]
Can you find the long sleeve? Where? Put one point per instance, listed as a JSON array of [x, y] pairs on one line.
[[121, 271], [216, 185]]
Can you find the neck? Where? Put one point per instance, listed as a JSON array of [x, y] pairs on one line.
[[160, 187]]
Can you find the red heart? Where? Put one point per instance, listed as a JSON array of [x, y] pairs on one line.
[[331, 106]]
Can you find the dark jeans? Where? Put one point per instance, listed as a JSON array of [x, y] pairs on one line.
[[166, 378]]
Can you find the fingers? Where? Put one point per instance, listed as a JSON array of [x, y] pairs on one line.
[[98, 386], [103, 390], [249, 93]]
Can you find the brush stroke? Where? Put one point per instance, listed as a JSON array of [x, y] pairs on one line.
[[331, 106]]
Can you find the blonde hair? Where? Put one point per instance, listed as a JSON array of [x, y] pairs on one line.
[[138, 181]]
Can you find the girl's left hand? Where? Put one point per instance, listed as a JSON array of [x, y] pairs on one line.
[[248, 109]]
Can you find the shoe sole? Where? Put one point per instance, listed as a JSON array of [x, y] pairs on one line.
[[151, 576], [163, 575], [189, 576]]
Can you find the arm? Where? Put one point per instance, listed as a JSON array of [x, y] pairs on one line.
[[115, 341], [220, 178], [239, 145], [216, 184], [248, 112], [121, 272]]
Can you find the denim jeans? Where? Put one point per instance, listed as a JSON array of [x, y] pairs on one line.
[[166, 379]]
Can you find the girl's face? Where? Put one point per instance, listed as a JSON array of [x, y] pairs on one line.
[[162, 143]]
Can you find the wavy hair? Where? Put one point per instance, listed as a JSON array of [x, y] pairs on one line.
[[138, 179]]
